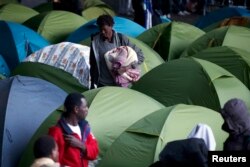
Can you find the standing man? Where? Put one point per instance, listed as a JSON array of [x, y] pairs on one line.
[[102, 42], [76, 143]]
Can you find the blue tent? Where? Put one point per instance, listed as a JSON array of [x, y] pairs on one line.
[[122, 25], [4, 69], [17, 42], [25, 103], [219, 15]]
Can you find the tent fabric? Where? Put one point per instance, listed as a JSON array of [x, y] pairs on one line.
[[111, 111], [17, 42], [8, 1], [91, 27], [140, 144], [170, 39], [92, 3], [57, 76], [237, 21], [234, 36], [9, 12], [73, 58], [55, 26], [95, 11], [236, 61], [25, 103], [4, 69], [220, 14], [44, 7], [192, 81]]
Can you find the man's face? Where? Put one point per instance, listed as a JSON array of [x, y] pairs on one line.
[[82, 110], [106, 31]]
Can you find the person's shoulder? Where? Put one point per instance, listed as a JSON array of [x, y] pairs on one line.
[[94, 35]]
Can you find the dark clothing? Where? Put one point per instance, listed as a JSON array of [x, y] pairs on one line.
[[188, 152], [98, 67], [237, 124], [74, 6]]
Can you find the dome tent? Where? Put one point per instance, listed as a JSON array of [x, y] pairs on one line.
[[96, 11], [59, 77], [235, 36], [9, 12], [17, 42], [55, 26], [70, 57], [192, 81], [220, 14], [122, 106], [25, 103], [4, 69], [170, 39], [234, 60], [140, 144], [91, 27]]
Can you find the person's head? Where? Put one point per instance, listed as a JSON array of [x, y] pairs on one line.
[[45, 146], [236, 116], [76, 104], [105, 24]]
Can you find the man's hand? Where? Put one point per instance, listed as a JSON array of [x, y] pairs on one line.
[[74, 142]]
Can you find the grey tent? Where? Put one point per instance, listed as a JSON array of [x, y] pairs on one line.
[[25, 103]]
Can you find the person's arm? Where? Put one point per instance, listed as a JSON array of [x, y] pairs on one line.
[[126, 42], [93, 67], [92, 149]]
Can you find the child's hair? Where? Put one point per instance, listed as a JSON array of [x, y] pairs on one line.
[[44, 146]]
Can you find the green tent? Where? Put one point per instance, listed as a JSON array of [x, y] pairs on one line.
[[111, 111], [54, 75], [152, 58], [235, 36], [55, 26], [140, 144], [92, 3], [234, 60], [44, 7], [192, 81], [16, 13], [170, 39], [95, 11], [8, 1], [237, 21]]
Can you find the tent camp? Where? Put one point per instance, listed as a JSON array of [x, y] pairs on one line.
[[234, 60], [237, 21], [70, 57], [220, 14], [55, 26], [25, 103], [17, 42], [235, 36], [4, 69], [111, 111], [91, 27], [192, 81], [132, 126], [170, 39], [9, 12], [140, 144]]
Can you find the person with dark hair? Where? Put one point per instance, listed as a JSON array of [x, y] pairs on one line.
[[76, 143], [46, 152], [74, 6], [237, 124], [187, 152], [102, 42]]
